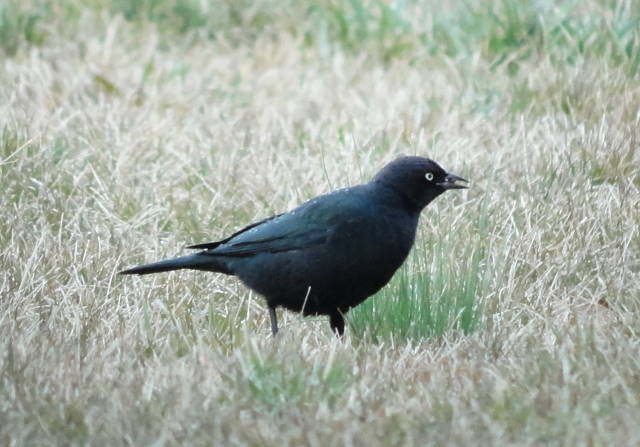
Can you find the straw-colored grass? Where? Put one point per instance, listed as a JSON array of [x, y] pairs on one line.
[[131, 129]]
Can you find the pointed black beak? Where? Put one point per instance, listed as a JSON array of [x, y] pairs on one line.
[[450, 182]]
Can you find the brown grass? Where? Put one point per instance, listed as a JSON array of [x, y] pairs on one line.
[[118, 147]]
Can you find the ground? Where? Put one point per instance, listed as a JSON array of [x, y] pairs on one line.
[[130, 129]]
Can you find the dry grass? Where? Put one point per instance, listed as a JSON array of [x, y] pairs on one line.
[[122, 142]]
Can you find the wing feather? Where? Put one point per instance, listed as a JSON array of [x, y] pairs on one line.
[[211, 245], [310, 224], [285, 242]]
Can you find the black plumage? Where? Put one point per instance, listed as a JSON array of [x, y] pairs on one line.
[[332, 252]]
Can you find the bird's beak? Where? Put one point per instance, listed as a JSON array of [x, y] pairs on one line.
[[450, 182]]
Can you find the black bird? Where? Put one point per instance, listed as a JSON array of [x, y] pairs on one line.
[[332, 252]]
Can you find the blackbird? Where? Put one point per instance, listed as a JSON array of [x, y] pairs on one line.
[[332, 252]]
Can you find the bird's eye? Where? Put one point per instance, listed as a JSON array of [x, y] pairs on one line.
[[429, 176]]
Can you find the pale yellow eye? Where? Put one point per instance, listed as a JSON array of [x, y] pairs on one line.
[[429, 176]]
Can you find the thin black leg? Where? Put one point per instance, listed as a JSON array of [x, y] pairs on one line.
[[337, 323], [274, 321]]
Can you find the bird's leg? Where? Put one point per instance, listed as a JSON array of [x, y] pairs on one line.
[[274, 320], [337, 323]]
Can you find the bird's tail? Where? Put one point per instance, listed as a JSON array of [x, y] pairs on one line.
[[195, 262]]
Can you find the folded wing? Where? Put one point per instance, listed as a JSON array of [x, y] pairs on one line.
[[272, 235], [211, 245], [309, 225]]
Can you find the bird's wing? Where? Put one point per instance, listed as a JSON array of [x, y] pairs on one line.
[[278, 241], [311, 224], [211, 245], [290, 231], [284, 232]]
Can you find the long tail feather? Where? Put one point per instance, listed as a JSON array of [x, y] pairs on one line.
[[195, 262]]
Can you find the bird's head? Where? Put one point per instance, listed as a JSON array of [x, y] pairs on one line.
[[417, 180]]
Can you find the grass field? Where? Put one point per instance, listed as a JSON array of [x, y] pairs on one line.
[[129, 129]]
